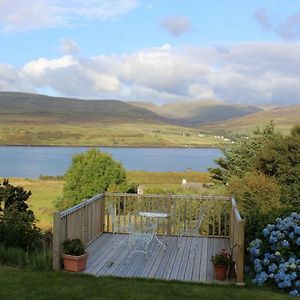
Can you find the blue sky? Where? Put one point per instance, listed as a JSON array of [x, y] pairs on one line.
[[160, 50]]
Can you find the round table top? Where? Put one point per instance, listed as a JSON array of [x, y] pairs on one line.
[[147, 214]]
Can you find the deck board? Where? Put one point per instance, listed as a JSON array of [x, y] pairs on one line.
[[110, 255], [203, 268]]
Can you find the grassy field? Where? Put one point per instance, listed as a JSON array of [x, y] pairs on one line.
[[21, 284], [138, 134], [45, 192], [41, 202]]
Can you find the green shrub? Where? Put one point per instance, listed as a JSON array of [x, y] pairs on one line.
[[73, 247], [17, 222], [258, 198], [91, 173], [255, 191]]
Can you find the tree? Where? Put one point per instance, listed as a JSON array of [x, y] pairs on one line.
[[91, 173], [239, 157], [280, 159], [17, 222], [13, 197]]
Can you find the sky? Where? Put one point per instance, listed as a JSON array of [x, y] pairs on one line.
[[159, 51]]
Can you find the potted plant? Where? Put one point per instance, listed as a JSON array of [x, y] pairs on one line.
[[74, 255], [221, 262]]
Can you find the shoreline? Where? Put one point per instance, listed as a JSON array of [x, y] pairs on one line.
[[112, 146]]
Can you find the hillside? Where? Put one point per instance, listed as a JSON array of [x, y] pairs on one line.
[[67, 110], [194, 113], [284, 119], [29, 119], [58, 109]]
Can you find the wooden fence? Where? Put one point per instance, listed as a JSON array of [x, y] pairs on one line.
[[90, 218], [84, 221], [237, 232]]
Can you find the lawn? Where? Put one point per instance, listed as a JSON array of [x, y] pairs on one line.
[[20, 284]]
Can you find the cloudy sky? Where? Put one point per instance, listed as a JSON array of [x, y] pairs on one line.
[[161, 50]]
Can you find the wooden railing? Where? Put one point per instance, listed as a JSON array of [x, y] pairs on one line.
[[84, 221], [183, 209], [237, 232], [90, 218]]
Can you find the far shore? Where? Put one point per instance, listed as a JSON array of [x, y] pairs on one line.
[[112, 146]]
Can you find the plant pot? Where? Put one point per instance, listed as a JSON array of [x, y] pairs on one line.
[[75, 263], [220, 272]]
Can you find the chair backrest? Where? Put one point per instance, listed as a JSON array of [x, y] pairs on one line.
[[199, 219]]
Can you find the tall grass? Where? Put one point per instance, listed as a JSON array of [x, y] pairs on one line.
[[16, 257]]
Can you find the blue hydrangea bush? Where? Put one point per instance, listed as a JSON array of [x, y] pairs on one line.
[[276, 257]]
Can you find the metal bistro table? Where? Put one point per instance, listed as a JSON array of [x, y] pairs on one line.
[[153, 218]]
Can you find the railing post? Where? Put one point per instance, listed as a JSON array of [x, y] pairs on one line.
[[56, 241], [231, 222], [85, 233], [240, 258], [169, 202], [103, 213]]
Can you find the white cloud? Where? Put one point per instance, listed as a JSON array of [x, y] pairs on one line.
[[42, 65], [176, 25], [25, 15], [11, 79], [258, 73], [201, 91], [68, 46], [16, 15]]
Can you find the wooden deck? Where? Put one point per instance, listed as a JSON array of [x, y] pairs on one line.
[[109, 255]]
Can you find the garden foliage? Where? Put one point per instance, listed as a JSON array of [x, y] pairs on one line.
[[73, 247], [91, 173], [276, 257], [240, 157], [262, 172], [17, 221], [280, 159]]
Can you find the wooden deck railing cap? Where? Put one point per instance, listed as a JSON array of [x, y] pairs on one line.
[[181, 196], [80, 205]]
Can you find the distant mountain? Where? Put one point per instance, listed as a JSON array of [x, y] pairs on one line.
[[284, 119], [31, 119], [194, 113], [58, 109], [148, 105], [186, 109]]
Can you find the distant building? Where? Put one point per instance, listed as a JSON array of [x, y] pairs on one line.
[[140, 189]]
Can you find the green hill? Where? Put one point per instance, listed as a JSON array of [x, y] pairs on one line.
[[284, 119], [57, 109], [194, 113], [30, 119]]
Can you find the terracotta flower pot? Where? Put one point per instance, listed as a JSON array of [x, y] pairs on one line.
[[220, 272], [75, 263]]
